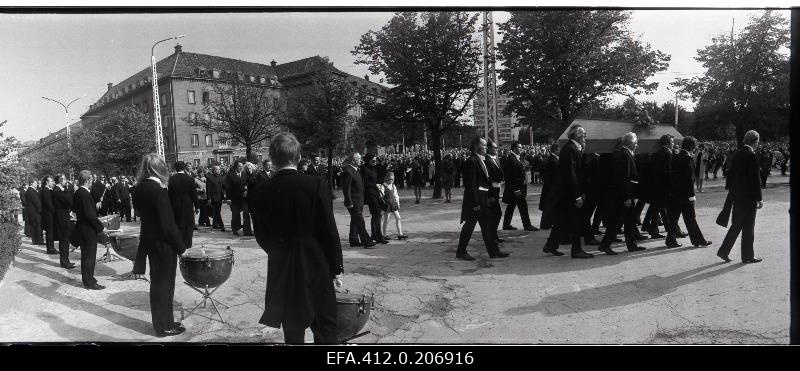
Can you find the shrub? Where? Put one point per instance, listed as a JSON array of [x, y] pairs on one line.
[[9, 242]]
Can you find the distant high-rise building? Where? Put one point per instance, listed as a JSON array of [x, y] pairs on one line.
[[504, 122]]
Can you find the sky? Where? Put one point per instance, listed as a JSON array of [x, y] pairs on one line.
[[67, 56]]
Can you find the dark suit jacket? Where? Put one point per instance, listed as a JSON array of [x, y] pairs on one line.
[[352, 187], [745, 184], [159, 233], [370, 178], [122, 191], [83, 206], [97, 190], [660, 171], [514, 173], [495, 174], [624, 177], [62, 203], [682, 184], [48, 209], [33, 203], [215, 188], [474, 179], [183, 197], [236, 186], [568, 184], [549, 175], [294, 224]]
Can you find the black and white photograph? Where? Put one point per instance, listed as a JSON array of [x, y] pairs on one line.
[[451, 175]]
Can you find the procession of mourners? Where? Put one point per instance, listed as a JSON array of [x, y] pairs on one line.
[[606, 198]]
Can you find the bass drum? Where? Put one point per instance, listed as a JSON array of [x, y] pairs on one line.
[[125, 246], [352, 314], [206, 267]]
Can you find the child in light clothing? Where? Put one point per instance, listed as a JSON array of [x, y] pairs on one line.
[[388, 192]]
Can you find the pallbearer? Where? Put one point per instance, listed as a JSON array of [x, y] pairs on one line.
[[86, 229], [62, 203]]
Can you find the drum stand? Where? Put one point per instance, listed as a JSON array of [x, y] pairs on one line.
[[206, 297], [109, 256]]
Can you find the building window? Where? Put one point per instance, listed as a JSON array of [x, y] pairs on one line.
[[225, 161], [197, 163], [191, 97], [163, 100], [206, 97], [195, 140], [215, 73], [210, 161], [258, 158], [209, 142]]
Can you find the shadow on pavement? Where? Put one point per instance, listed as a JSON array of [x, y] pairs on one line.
[[67, 331], [50, 293], [618, 294], [139, 300]]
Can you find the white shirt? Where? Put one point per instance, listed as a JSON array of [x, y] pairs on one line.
[[751, 148], [580, 147], [86, 188], [157, 181], [293, 167]]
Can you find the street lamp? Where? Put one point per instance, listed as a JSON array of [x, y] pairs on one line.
[[676, 105], [66, 116], [156, 103]]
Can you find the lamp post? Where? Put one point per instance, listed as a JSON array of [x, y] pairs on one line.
[[156, 103], [66, 116], [676, 105]]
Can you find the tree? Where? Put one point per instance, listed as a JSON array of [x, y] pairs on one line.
[[246, 114], [11, 173], [558, 62], [747, 75], [433, 61], [121, 138], [320, 113]]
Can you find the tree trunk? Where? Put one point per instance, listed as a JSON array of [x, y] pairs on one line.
[[248, 152], [437, 157], [330, 168]]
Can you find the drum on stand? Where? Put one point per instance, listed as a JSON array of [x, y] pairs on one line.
[[207, 268], [352, 314]]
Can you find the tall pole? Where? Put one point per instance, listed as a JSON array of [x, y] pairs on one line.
[[156, 103], [676, 106], [489, 79], [66, 117]]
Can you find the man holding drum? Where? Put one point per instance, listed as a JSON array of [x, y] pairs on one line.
[[294, 223]]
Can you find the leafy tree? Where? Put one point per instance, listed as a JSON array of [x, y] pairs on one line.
[[120, 139], [11, 173], [246, 114], [433, 61], [558, 62], [320, 113], [746, 82]]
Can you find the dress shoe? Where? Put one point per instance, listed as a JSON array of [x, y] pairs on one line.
[[582, 255], [235, 233], [531, 228], [509, 228], [724, 258], [681, 234], [657, 235], [402, 237], [608, 251], [171, 332], [96, 286], [702, 244], [52, 252], [384, 241], [592, 242], [465, 256], [178, 325], [640, 237], [499, 254], [554, 252], [68, 266], [387, 238], [751, 261], [370, 245], [673, 245], [635, 248]]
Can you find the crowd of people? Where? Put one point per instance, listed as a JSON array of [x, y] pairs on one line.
[[288, 205]]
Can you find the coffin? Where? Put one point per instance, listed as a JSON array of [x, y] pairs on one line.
[[602, 136]]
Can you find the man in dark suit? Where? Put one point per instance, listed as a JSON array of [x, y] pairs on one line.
[[237, 193], [682, 191], [62, 204], [215, 189], [620, 199], [496, 177], [123, 192], [549, 173], [372, 197], [353, 190], [48, 212], [98, 189], [183, 198], [33, 213], [745, 188], [295, 225], [86, 229], [23, 199], [516, 190], [567, 197], [475, 208], [661, 172]]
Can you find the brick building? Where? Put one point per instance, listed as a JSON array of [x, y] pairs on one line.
[[185, 82]]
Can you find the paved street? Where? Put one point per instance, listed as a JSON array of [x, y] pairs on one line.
[[422, 294]]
